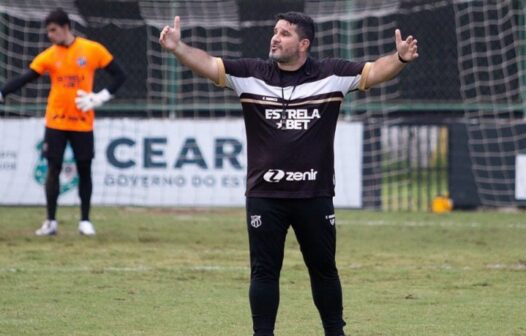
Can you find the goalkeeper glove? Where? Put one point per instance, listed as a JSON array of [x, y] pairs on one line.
[[86, 101]]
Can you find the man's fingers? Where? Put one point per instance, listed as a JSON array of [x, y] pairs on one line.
[[398, 36], [163, 32], [413, 46], [177, 23]]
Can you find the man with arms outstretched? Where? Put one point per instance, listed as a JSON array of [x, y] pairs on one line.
[[290, 106]]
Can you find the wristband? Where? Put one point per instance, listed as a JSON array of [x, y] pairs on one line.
[[401, 59]]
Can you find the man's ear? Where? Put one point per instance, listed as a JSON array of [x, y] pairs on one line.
[[305, 44]]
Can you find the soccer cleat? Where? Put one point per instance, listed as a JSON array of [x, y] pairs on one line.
[[86, 228], [48, 228]]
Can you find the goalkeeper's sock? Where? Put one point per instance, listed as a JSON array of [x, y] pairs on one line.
[[52, 187], [85, 188]]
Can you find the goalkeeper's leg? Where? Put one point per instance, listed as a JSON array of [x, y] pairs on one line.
[[84, 150], [52, 186], [53, 150], [85, 187], [83, 146]]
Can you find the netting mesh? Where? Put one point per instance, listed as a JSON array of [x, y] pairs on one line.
[[472, 51], [491, 61], [472, 66]]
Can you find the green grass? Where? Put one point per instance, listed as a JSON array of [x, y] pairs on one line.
[[185, 272]]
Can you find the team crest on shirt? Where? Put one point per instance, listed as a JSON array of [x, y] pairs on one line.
[[81, 61], [331, 218], [255, 221]]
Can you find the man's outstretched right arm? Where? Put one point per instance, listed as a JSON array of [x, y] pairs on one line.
[[16, 83], [197, 60]]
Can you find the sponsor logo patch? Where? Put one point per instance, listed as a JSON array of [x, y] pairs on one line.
[[277, 175], [331, 218], [81, 61], [255, 221], [292, 119]]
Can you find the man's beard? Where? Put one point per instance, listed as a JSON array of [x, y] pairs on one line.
[[273, 57], [279, 59]]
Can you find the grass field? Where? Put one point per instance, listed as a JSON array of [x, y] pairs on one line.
[[185, 272]]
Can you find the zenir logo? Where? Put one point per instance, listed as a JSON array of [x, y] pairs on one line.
[[276, 175]]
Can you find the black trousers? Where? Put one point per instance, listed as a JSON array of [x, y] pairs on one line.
[[313, 222], [82, 143]]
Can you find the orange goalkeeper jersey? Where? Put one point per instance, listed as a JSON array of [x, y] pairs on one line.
[[71, 68]]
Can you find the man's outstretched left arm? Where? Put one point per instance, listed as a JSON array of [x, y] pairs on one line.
[[387, 67]]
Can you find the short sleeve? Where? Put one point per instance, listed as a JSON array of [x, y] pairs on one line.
[[356, 72], [239, 67], [235, 72], [103, 56], [221, 80], [40, 62], [347, 68], [363, 77]]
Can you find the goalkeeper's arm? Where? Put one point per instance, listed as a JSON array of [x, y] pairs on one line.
[[18, 82], [86, 101], [118, 75], [197, 60]]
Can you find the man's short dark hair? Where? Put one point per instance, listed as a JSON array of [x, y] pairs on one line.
[[304, 24], [59, 17]]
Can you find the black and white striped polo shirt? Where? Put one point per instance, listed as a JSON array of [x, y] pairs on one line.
[[290, 120]]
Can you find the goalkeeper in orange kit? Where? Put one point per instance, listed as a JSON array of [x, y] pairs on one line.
[[71, 63]]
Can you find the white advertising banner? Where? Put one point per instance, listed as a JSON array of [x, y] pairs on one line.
[[520, 177], [157, 163]]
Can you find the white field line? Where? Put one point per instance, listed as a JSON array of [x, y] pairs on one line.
[[425, 224], [222, 268], [138, 269], [445, 267], [518, 226]]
